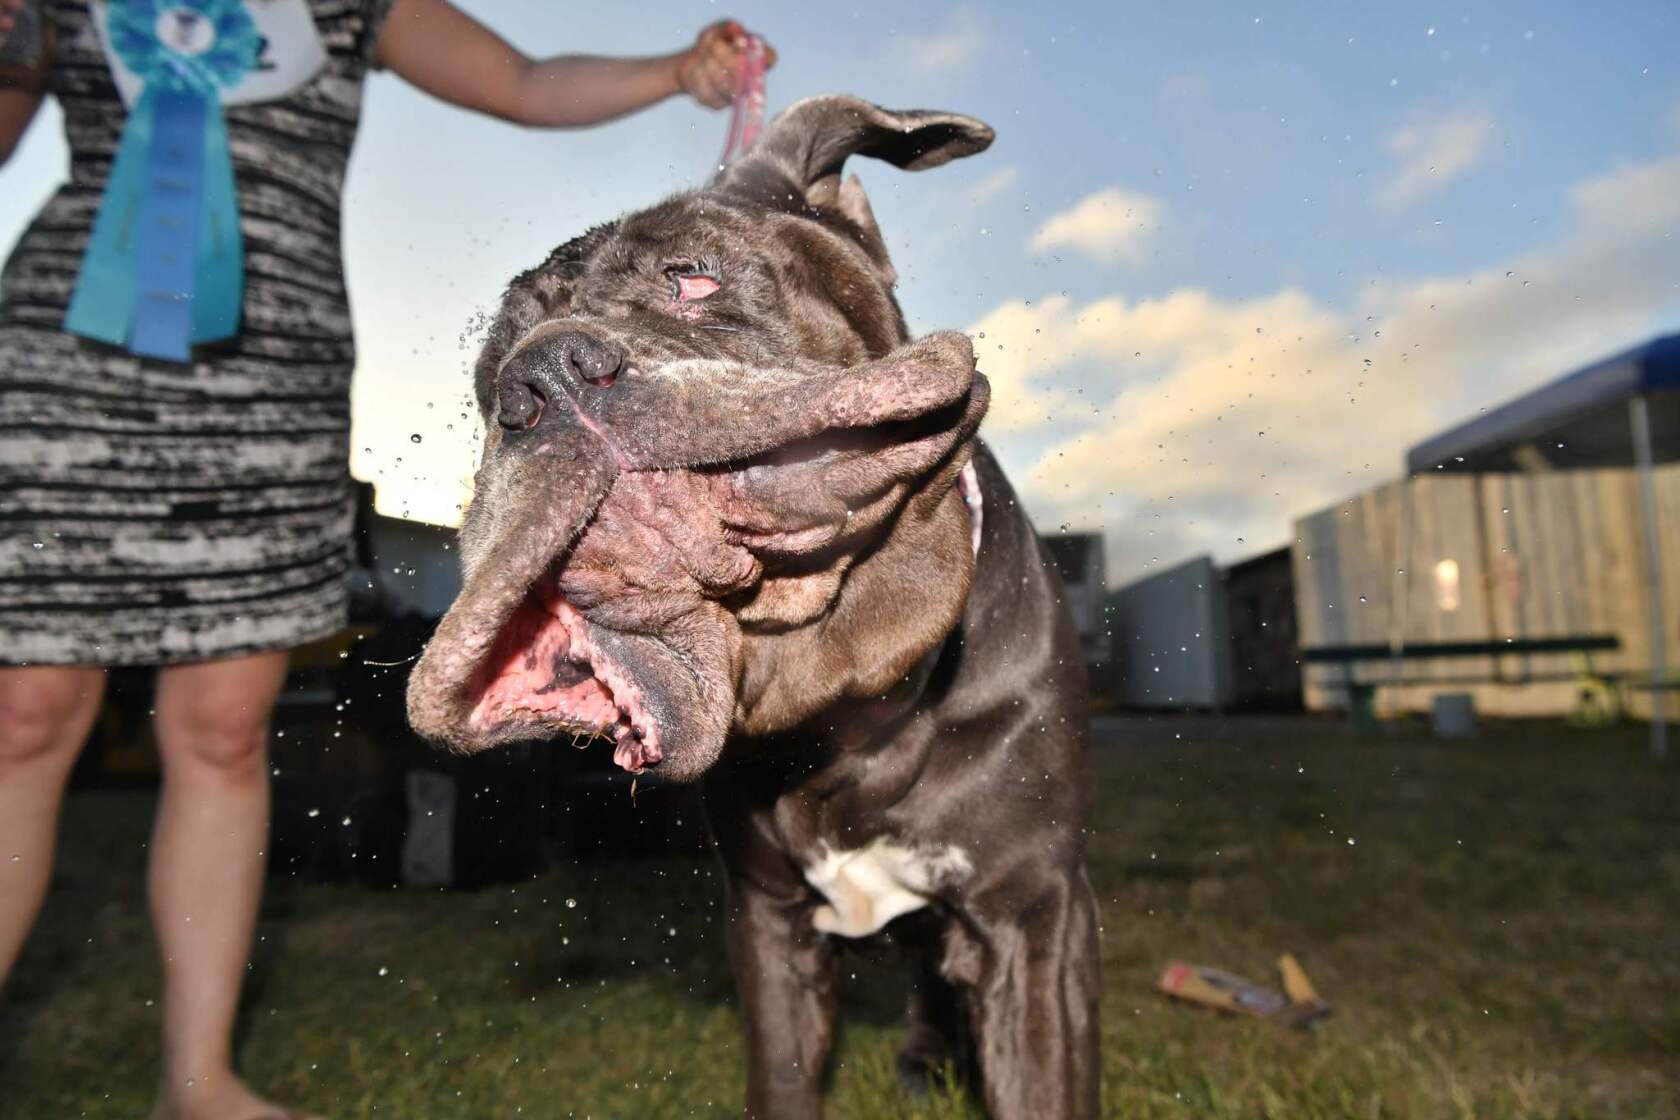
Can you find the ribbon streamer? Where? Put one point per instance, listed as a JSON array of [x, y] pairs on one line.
[[165, 252], [164, 268]]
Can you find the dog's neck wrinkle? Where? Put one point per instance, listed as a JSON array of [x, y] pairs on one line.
[[917, 580]]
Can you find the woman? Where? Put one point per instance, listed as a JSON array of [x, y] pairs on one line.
[[196, 515]]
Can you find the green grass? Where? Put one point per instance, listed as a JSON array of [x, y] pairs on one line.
[[1501, 938]]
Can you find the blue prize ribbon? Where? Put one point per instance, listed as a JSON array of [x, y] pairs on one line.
[[164, 266]]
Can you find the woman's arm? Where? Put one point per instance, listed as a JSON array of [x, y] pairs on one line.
[[442, 50]]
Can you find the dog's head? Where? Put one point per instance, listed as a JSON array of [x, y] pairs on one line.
[[718, 483]]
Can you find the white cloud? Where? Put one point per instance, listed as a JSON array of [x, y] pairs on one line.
[[1191, 422], [1431, 152], [963, 39], [994, 184], [1111, 225]]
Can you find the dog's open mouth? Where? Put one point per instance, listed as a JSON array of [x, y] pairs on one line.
[[544, 668]]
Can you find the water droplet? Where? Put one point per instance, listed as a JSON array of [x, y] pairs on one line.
[[415, 438]]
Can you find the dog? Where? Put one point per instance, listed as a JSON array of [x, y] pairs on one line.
[[731, 518]]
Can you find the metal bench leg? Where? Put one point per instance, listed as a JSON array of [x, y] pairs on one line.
[[1362, 708], [1598, 703]]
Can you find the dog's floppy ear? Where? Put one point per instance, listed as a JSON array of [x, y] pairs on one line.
[[802, 154], [704, 412], [808, 143], [837, 457], [799, 507]]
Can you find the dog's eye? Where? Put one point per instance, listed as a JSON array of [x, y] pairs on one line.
[[695, 287], [690, 284]]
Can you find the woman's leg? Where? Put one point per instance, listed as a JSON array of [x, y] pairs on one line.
[[208, 856], [45, 715]]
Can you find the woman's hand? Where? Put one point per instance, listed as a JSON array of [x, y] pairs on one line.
[[706, 71]]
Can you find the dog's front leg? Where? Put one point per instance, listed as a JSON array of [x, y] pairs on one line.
[[785, 972], [1034, 1009]]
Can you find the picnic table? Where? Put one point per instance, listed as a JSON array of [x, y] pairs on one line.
[[1597, 697]]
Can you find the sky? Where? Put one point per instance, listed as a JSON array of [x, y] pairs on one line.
[[1223, 264]]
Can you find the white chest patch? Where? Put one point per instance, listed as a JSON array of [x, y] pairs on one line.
[[870, 886]]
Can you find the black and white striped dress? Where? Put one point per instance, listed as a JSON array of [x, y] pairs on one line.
[[150, 512]]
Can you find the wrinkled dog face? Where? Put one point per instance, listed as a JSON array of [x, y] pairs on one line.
[[701, 421]]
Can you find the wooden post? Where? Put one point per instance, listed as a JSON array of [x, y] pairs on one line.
[[1400, 598], [1484, 560], [1639, 415]]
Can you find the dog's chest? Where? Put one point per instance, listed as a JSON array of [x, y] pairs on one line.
[[868, 887]]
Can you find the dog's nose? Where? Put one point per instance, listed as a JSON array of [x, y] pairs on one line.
[[519, 404], [528, 379], [585, 357]]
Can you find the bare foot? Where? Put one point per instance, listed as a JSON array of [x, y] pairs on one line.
[[218, 1098]]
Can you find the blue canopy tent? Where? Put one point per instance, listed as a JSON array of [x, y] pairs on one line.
[[1621, 412]]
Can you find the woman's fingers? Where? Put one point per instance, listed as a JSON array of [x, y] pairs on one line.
[[722, 43], [725, 30], [736, 38], [701, 74]]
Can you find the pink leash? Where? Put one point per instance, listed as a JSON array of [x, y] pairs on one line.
[[746, 113]]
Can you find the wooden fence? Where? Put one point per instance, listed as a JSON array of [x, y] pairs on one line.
[[1492, 556]]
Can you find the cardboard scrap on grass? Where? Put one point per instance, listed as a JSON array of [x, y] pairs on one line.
[[1298, 1005]]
